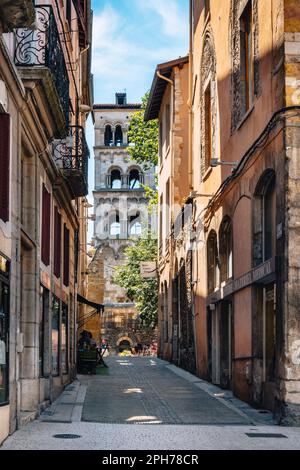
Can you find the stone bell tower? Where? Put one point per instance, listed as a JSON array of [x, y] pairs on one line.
[[121, 211]]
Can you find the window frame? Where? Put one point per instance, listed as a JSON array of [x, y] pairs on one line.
[[246, 25]]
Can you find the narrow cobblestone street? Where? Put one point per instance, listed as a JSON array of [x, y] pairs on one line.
[[146, 403]]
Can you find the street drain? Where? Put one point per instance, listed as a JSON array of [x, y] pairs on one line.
[[67, 436], [256, 434]]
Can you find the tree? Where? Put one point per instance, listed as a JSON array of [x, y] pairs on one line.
[[143, 137], [144, 292]]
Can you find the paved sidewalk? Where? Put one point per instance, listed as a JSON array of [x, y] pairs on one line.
[[146, 403]]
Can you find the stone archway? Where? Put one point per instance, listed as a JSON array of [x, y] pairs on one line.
[[123, 343]]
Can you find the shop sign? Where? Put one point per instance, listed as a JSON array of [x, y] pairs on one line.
[[256, 275]]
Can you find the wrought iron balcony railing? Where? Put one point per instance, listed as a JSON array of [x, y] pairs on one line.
[[41, 47], [71, 156]]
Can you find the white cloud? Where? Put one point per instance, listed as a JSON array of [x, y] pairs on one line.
[[120, 60], [174, 23]]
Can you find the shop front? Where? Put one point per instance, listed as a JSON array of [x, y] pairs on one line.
[[255, 368]]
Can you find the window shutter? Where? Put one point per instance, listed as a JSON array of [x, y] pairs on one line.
[[46, 208], [57, 242], [66, 256], [4, 166]]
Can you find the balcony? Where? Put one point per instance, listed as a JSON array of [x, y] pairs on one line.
[[71, 156], [39, 57], [16, 14]]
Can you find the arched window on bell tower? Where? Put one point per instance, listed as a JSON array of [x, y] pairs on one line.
[[118, 136], [108, 137]]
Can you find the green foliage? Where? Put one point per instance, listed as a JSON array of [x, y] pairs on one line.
[[144, 292], [143, 137]]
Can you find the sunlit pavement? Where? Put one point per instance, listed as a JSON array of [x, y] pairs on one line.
[[146, 403]]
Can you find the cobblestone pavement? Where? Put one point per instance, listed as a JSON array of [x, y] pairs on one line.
[[146, 403]]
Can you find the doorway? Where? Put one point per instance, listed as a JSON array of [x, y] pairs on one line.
[[220, 343], [269, 345]]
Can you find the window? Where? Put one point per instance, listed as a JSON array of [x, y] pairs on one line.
[[166, 314], [44, 311], [168, 124], [4, 166], [135, 226], [212, 262], [108, 137], [119, 136], [66, 256], [208, 126], [226, 249], [114, 224], [55, 335], [4, 330], [160, 141], [167, 208], [246, 59], [134, 179], [57, 243], [64, 339], [115, 180], [269, 220], [46, 218], [161, 220], [264, 218]]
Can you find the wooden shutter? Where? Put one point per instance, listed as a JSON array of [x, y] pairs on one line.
[[66, 256], [4, 166], [46, 221], [57, 242]]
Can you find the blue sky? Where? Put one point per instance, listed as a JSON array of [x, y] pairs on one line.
[[130, 37]]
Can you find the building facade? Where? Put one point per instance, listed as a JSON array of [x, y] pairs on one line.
[[242, 261], [169, 95], [45, 90], [121, 213]]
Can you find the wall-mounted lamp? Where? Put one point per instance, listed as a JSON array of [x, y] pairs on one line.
[[215, 162]]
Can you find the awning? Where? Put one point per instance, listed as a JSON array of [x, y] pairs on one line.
[[85, 301]]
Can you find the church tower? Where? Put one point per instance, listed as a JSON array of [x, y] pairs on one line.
[[121, 212]]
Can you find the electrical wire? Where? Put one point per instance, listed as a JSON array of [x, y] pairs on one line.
[[260, 142]]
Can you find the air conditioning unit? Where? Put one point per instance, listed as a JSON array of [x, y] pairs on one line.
[[3, 98]]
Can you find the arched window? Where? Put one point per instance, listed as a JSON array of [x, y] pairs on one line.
[[166, 314], [264, 236], [269, 220], [108, 137], [208, 101], [119, 136], [135, 226], [212, 262], [226, 249], [135, 179], [245, 56], [114, 224], [115, 180]]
